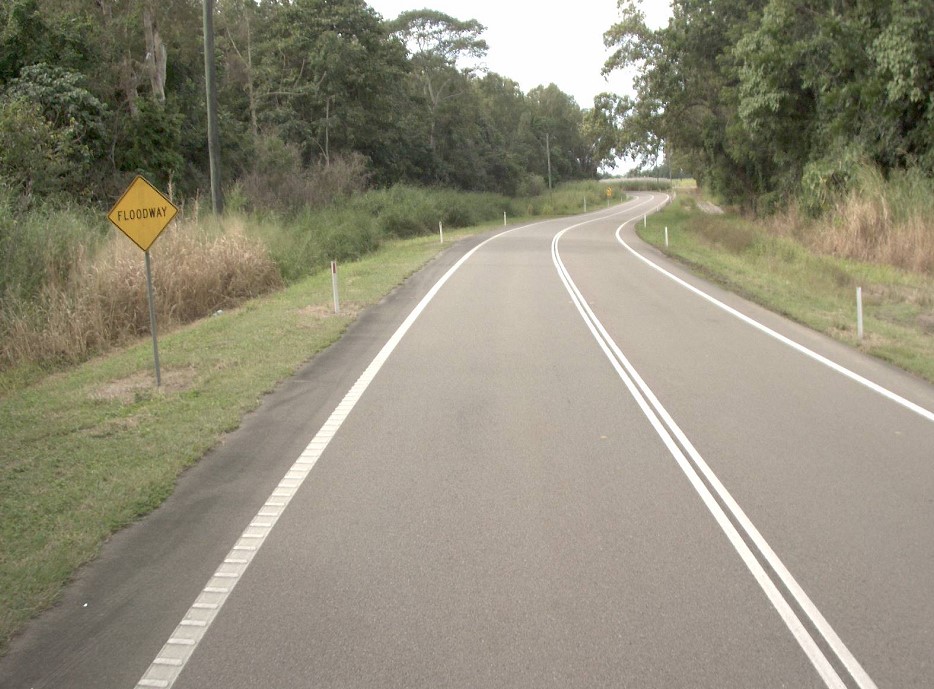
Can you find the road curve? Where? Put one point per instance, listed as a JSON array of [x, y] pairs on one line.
[[564, 469]]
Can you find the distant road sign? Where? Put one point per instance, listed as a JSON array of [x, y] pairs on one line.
[[142, 213], [609, 192]]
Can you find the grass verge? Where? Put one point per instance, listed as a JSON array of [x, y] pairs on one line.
[[817, 290], [89, 450]]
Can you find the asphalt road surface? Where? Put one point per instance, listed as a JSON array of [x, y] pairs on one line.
[[551, 459]]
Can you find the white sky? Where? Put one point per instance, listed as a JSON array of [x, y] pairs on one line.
[[538, 44]]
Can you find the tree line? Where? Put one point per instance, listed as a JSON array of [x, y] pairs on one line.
[[767, 100], [94, 92]]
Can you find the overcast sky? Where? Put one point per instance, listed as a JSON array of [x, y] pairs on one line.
[[535, 44]]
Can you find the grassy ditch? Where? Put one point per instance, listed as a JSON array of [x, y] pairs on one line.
[[88, 450], [818, 290]]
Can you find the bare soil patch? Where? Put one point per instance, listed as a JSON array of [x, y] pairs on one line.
[[128, 390]]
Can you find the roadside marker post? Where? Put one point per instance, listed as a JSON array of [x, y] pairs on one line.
[[441, 231], [504, 218], [859, 313], [666, 237], [142, 213], [337, 305]]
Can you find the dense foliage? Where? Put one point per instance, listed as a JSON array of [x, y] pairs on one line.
[[764, 99], [94, 92]]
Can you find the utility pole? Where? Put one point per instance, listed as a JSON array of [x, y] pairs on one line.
[[548, 155], [210, 85]]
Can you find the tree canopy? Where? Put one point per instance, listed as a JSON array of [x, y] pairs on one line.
[[116, 87], [766, 98]]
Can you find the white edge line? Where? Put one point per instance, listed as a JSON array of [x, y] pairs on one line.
[[852, 375], [184, 640]]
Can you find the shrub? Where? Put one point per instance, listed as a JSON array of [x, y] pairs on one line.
[[279, 181], [532, 185], [825, 181], [34, 155], [346, 235], [403, 211], [55, 127]]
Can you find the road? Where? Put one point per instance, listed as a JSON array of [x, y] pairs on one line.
[[552, 459]]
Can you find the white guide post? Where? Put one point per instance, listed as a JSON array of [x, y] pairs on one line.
[[337, 305], [859, 313]]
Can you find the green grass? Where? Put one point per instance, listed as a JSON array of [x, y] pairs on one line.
[[88, 450], [816, 290]]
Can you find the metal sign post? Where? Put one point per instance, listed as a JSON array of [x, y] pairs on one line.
[[152, 318]]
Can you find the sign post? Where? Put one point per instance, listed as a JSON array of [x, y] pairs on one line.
[[152, 318], [142, 213]]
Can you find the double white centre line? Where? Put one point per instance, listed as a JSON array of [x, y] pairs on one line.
[[691, 462]]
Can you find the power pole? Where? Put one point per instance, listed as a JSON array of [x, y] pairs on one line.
[[548, 155], [210, 85]]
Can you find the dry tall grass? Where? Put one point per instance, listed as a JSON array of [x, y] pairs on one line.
[[886, 221], [104, 302], [863, 228]]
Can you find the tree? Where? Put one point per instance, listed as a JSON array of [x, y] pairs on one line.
[[602, 129], [323, 75], [686, 89], [503, 105], [29, 36], [555, 122], [763, 96], [120, 88], [902, 57], [437, 43]]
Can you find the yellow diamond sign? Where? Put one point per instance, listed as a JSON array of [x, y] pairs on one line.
[[142, 213]]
